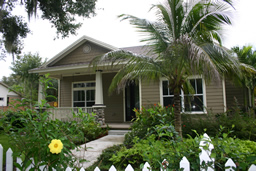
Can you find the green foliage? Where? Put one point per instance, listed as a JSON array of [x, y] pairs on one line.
[[52, 91], [155, 120], [4, 141], [12, 118], [12, 29], [242, 152], [245, 125], [88, 125], [155, 151], [61, 14], [33, 139], [103, 161], [37, 130], [10, 81], [28, 83]]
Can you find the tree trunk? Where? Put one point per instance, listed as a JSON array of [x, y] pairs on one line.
[[177, 113]]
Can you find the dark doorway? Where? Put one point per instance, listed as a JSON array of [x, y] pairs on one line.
[[132, 100]]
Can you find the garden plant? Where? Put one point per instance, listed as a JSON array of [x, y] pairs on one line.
[[42, 142]]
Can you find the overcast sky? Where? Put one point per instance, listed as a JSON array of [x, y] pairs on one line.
[[107, 27]]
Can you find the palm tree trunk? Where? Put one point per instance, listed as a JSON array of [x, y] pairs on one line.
[[177, 113]]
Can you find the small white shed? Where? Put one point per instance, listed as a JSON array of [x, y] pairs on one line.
[[6, 94]]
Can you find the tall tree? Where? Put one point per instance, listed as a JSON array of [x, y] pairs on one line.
[[28, 82], [60, 13], [11, 80], [184, 41], [247, 56]]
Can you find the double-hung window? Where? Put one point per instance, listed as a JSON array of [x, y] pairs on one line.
[[83, 94], [190, 102]]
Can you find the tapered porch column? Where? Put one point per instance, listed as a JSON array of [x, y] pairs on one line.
[[99, 88], [40, 93], [99, 106]]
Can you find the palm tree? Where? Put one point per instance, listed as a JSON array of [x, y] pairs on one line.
[[247, 57], [184, 41]]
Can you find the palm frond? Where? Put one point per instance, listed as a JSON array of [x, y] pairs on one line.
[[214, 16], [156, 32]]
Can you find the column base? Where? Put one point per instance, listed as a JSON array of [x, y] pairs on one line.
[[98, 109]]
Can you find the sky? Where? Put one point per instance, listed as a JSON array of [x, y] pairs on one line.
[[106, 27]]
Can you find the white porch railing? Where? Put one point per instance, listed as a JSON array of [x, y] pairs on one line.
[[184, 163], [66, 113]]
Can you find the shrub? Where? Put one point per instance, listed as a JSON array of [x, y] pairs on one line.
[[245, 126], [149, 121], [243, 152], [88, 125], [13, 117]]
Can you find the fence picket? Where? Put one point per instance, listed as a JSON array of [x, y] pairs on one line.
[[68, 169], [129, 168], [146, 167], [231, 165], [97, 169], [112, 168], [82, 169], [19, 161], [1, 157], [205, 154], [252, 168], [184, 163], [9, 160]]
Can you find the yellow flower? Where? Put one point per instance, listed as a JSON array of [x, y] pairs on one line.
[[56, 146]]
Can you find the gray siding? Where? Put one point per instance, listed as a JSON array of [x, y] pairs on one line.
[[78, 56], [236, 92], [66, 88], [150, 93], [114, 111], [214, 97]]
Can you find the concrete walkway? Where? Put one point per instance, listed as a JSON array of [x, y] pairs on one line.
[[95, 148]]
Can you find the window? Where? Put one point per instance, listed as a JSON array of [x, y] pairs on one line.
[[193, 103], [1, 99], [84, 94], [8, 101]]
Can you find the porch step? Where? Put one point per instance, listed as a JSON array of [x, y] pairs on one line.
[[117, 126], [118, 132]]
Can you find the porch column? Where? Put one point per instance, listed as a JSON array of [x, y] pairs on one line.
[[40, 93], [99, 106], [99, 88]]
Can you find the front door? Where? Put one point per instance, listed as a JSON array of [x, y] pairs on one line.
[[132, 101]]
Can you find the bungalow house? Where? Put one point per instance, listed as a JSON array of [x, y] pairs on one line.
[[7, 96], [81, 85]]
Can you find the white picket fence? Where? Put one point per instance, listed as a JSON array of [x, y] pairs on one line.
[[184, 163]]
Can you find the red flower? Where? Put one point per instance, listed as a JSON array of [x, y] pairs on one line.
[[184, 126]]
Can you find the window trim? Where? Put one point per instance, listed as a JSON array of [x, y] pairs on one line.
[[81, 88], [182, 96]]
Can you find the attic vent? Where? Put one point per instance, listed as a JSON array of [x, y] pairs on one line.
[[87, 48]]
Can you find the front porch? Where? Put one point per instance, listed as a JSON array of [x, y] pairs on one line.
[[65, 114]]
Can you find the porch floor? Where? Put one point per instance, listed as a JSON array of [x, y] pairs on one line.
[[122, 126]]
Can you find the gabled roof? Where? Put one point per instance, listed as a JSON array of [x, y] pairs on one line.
[[73, 46], [6, 86]]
